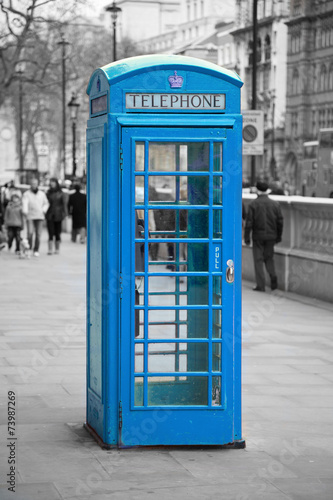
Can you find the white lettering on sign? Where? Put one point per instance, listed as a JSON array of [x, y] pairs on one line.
[[217, 260], [209, 102]]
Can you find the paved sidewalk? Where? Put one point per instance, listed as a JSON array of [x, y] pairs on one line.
[[287, 400]]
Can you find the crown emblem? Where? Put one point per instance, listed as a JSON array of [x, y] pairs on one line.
[[176, 81]]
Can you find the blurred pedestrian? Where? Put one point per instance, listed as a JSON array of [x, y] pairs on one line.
[[77, 208], [9, 190], [14, 222], [34, 205], [56, 213], [264, 219]]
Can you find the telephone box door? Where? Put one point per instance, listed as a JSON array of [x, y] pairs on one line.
[[178, 213]]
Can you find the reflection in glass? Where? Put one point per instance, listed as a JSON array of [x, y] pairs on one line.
[[139, 156], [191, 189], [139, 189], [169, 157], [217, 290], [138, 391], [217, 320], [217, 190], [138, 359], [217, 223], [217, 157], [162, 156], [173, 391], [139, 257], [216, 362], [139, 323], [165, 357], [216, 391]]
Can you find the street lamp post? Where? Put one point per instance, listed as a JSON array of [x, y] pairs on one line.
[[114, 15], [74, 107], [254, 80], [63, 44]]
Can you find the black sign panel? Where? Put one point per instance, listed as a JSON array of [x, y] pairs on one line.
[[99, 105]]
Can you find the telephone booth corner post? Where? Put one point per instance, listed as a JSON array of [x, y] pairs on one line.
[[164, 253]]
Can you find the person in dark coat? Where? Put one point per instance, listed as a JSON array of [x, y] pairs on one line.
[[77, 208], [57, 211], [264, 219]]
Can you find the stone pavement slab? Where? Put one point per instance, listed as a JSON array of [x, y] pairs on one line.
[[287, 399]]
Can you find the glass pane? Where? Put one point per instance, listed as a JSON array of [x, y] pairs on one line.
[[217, 319], [169, 257], [139, 291], [216, 362], [139, 323], [217, 290], [217, 224], [140, 156], [178, 391], [180, 323], [217, 160], [217, 190], [162, 300], [216, 391], [162, 156], [178, 223], [139, 189], [139, 357], [138, 391], [162, 284], [197, 256], [165, 357], [139, 224], [191, 189], [198, 156], [170, 157], [139, 257]]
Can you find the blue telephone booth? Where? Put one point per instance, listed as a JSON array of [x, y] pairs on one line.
[[164, 253]]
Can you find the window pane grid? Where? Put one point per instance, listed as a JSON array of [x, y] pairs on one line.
[[178, 236]]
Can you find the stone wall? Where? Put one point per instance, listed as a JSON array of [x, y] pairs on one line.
[[304, 258]]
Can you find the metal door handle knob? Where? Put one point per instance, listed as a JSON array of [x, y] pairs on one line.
[[230, 274]]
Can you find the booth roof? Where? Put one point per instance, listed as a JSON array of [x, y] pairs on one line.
[[124, 68]]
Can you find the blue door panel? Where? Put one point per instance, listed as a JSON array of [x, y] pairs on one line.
[[177, 323]]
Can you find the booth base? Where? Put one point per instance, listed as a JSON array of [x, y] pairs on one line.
[[238, 444]]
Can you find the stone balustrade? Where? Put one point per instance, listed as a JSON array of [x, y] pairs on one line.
[[304, 258]]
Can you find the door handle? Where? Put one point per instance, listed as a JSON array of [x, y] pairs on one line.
[[230, 274]]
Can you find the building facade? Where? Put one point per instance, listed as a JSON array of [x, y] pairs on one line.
[[271, 57], [310, 79], [194, 31]]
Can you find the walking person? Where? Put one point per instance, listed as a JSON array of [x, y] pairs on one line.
[[14, 222], [34, 206], [264, 219], [77, 208], [55, 214]]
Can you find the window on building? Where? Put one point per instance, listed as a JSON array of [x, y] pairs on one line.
[[266, 78], [267, 48], [294, 125], [258, 50], [330, 77], [314, 123], [314, 78], [227, 54], [323, 38], [331, 35], [221, 56], [195, 13], [295, 82], [202, 8], [327, 32], [323, 78], [250, 52], [188, 11]]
